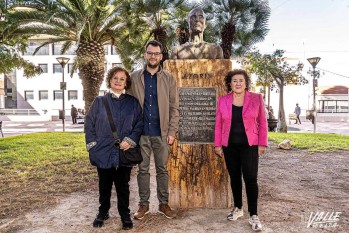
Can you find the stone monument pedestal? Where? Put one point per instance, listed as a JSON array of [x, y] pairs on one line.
[[198, 177]]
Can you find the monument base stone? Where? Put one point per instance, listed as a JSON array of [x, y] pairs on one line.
[[198, 177]]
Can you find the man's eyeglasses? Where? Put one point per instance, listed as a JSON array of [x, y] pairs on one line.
[[156, 54]]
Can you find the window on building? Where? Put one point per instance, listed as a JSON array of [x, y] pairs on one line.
[[105, 68], [44, 68], [43, 95], [57, 48], [342, 106], [72, 95], [333, 106], [57, 95], [33, 44], [113, 50], [70, 67], [57, 68], [29, 95], [106, 47], [116, 64]]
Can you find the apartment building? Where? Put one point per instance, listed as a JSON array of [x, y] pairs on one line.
[[41, 95]]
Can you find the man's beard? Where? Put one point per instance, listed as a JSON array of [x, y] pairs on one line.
[[153, 66]]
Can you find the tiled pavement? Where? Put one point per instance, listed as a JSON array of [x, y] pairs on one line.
[[321, 127]]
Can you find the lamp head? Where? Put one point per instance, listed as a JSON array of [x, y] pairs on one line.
[[314, 61], [62, 60]]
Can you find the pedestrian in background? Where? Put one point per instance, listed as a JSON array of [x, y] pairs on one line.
[[241, 135], [157, 93], [297, 111], [73, 114], [104, 154]]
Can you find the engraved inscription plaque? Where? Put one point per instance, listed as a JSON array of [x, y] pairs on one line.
[[197, 114]]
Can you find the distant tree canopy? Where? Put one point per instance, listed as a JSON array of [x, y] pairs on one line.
[[12, 45], [237, 25], [125, 24], [274, 70]]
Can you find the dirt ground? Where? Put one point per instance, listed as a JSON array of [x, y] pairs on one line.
[[292, 185]]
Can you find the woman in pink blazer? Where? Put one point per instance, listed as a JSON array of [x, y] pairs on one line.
[[241, 135]]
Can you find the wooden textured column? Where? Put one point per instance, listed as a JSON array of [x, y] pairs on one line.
[[197, 177]]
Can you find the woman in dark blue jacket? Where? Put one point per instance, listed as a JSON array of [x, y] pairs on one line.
[[127, 117]]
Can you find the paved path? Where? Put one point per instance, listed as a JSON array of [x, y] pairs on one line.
[[11, 128], [321, 127]]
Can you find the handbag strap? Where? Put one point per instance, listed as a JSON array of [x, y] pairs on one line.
[[110, 118]]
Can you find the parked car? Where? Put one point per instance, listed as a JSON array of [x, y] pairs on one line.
[[80, 119]]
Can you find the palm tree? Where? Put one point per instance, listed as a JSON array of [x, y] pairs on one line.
[[182, 32], [12, 45], [162, 17], [239, 22], [146, 20], [88, 25]]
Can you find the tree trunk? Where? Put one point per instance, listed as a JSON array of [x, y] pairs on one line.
[[91, 59], [160, 35], [183, 35], [282, 126], [264, 94], [227, 34], [268, 97]]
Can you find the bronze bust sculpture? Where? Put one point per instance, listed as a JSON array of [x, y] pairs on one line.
[[197, 48]]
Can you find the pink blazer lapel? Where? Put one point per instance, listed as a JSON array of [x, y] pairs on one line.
[[228, 103], [248, 103]]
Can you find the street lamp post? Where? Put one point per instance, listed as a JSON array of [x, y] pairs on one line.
[[63, 61], [314, 61], [2, 14]]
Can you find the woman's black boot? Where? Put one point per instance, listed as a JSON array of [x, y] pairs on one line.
[[99, 220]]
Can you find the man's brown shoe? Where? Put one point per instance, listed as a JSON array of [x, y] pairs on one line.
[[166, 210], [142, 211]]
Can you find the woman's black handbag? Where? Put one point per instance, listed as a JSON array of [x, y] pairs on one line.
[[129, 157]]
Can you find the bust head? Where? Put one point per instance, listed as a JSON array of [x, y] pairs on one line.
[[196, 20], [197, 48]]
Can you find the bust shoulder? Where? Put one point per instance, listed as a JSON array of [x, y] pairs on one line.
[[201, 50]]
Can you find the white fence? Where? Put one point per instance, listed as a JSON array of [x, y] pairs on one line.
[[22, 112]]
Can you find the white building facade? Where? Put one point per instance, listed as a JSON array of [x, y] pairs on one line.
[[333, 103], [41, 95]]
